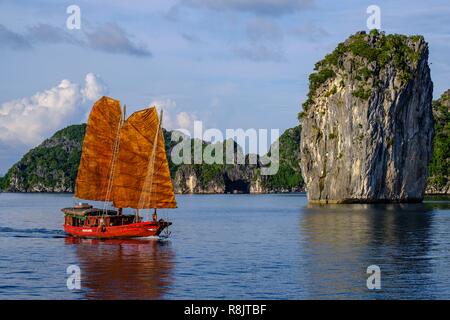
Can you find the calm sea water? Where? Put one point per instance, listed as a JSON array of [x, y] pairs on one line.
[[235, 247]]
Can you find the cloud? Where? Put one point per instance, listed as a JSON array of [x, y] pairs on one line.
[[12, 39], [113, 39], [173, 118], [109, 37], [264, 42], [260, 53], [258, 7], [168, 106], [29, 120], [192, 38], [310, 31], [94, 87], [184, 120], [263, 30], [50, 34]]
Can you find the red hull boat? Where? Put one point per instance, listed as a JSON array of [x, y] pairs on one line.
[[123, 163], [87, 222], [134, 230]]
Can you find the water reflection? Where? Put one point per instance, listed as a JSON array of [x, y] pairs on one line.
[[124, 269], [341, 241]]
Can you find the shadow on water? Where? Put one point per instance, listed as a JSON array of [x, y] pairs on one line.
[[341, 241], [124, 269]]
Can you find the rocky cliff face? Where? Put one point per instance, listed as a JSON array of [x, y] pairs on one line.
[[367, 124], [217, 178], [190, 179]]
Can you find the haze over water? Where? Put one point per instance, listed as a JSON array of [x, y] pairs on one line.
[[232, 247]]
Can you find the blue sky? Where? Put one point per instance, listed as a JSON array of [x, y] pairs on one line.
[[231, 64]]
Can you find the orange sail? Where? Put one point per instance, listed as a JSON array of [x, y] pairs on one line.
[[95, 170], [142, 176]]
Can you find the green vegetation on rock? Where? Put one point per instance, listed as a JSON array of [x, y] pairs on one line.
[[52, 166], [439, 165], [288, 176], [362, 93], [376, 49]]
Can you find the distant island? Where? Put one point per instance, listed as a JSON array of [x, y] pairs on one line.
[[52, 167], [380, 82]]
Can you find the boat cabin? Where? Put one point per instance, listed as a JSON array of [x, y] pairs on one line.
[[84, 215]]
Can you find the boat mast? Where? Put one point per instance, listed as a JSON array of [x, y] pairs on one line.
[[155, 216], [116, 147], [124, 116]]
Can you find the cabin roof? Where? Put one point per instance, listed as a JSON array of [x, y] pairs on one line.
[[87, 211]]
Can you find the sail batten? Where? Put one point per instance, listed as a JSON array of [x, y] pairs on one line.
[[124, 161], [96, 162], [137, 184]]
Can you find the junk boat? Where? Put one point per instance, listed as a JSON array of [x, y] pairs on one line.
[[123, 163]]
